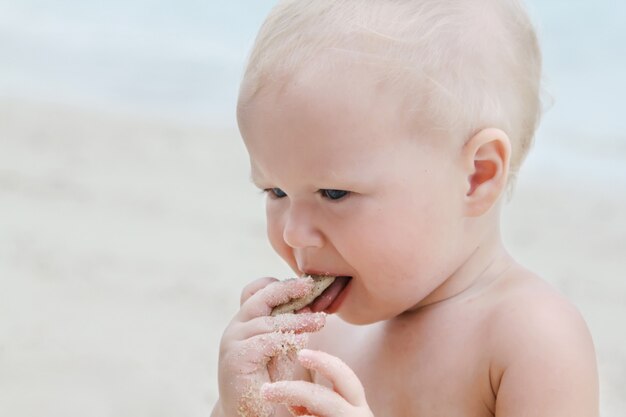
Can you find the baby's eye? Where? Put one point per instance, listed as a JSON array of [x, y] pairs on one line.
[[275, 192], [334, 194]]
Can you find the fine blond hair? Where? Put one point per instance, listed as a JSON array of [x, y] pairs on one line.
[[464, 65]]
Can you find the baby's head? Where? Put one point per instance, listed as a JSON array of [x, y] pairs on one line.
[[458, 65], [379, 128]]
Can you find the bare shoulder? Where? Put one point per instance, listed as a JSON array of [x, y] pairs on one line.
[[543, 358], [530, 312]]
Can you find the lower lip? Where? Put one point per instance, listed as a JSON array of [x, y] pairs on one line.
[[334, 306]]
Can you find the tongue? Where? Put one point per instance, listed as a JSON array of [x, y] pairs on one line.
[[322, 302]]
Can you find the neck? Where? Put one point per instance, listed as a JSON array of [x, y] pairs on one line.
[[486, 262]]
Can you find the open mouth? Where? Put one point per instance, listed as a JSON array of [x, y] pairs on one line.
[[330, 299], [326, 296]]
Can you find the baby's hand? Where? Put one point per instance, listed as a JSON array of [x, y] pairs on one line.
[[256, 348], [346, 399]]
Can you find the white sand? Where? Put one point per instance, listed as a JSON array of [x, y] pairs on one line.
[[124, 244]]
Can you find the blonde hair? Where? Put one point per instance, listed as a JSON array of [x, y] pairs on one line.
[[464, 64]]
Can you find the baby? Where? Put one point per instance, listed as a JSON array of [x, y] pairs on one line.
[[386, 135]]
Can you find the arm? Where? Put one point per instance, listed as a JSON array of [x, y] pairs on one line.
[[545, 362]]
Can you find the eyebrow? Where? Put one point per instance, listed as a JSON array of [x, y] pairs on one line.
[[348, 181], [254, 180]]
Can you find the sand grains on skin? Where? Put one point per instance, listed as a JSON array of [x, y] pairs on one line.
[[280, 367]]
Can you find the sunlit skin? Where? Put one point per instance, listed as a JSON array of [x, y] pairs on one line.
[[438, 319]]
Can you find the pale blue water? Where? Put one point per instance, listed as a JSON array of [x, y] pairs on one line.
[[178, 58], [183, 58]]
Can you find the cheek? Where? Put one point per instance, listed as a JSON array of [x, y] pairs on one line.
[[274, 230], [405, 238]]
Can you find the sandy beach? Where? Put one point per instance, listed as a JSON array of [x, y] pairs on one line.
[[125, 241]]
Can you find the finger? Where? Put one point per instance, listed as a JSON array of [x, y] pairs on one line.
[[256, 285], [276, 293], [259, 350], [299, 411], [297, 323], [316, 399], [344, 380]]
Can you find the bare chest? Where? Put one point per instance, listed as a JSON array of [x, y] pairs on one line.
[[417, 369]]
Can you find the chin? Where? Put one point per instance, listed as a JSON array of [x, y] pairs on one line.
[[359, 319]]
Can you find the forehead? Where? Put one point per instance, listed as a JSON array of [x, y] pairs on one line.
[[338, 112], [334, 85]]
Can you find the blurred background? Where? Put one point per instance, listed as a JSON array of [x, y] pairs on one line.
[[128, 224]]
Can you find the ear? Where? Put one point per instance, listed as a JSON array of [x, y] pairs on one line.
[[486, 158]]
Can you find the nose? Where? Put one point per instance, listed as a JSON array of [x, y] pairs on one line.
[[300, 229]]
